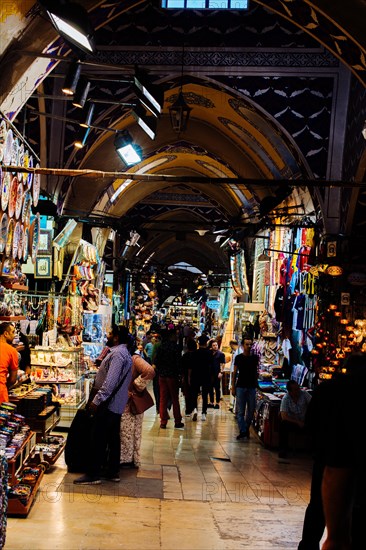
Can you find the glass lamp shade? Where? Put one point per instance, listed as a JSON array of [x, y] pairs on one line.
[[179, 114]]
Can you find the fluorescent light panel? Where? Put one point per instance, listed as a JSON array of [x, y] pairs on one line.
[[128, 154], [65, 28]]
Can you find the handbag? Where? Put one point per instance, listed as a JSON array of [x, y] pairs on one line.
[[140, 401]]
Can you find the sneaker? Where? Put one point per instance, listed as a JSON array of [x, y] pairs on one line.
[[114, 478], [203, 417], [87, 480], [216, 406], [210, 406], [163, 426], [194, 416], [241, 435], [179, 426]]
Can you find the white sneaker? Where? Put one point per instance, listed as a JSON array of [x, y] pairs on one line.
[[203, 417]]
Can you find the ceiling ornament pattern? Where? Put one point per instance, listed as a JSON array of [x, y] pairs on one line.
[[319, 25], [192, 99]]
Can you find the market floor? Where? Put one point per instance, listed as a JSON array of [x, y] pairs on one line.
[[197, 489]]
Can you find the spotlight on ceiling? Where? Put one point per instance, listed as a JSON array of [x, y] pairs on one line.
[[147, 123], [129, 152], [151, 96], [81, 93], [72, 78], [88, 116], [202, 232], [71, 21], [80, 141]]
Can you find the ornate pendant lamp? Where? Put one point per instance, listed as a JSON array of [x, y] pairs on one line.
[[179, 111]]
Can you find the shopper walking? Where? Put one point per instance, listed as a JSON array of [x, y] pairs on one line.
[[200, 376], [186, 366], [8, 360], [110, 397], [168, 367], [131, 424], [245, 382], [217, 371]]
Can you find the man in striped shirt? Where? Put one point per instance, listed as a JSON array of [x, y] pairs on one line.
[[111, 384]]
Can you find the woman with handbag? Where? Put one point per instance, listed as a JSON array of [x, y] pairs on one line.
[[132, 417]]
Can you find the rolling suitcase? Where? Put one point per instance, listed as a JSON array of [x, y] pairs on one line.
[[77, 449]]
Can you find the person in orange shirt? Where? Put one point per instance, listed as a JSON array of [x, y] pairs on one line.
[[8, 360]]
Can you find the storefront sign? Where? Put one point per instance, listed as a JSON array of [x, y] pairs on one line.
[[213, 304]]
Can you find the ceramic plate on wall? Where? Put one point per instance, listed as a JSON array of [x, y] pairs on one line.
[[26, 244], [5, 190], [2, 138], [9, 238], [21, 161], [21, 241], [3, 231], [19, 203], [36, 187], [15, 152], [26, 210], [35, 230], [25, 164], [30, 176], [16, 240], [8, 148], [13, 196]]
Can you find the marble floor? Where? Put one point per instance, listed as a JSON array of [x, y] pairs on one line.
[[197, 489]]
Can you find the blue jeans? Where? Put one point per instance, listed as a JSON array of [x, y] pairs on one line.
[[245, 406]]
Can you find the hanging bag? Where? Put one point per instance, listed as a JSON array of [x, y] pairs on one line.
[[140, 401]]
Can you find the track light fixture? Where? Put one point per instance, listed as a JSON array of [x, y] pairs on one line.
[[129, 152], [71, 21], [81, 93], [79, 143], [147, 123], [151, 96], [87, 120], [72, 78]]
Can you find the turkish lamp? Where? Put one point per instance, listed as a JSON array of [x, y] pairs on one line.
[[179, 113]]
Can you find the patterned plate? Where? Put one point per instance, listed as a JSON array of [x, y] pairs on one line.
[[5, 190], [15, 152], [26, 210], [19, 203], [16, 240], [9, 238], [30, 176], [3, 231], [25, 164], [35, 237], [21, 242], [13, 196], [21, 161], [2, 138], [26, 244], [8, 148], [36, 187]]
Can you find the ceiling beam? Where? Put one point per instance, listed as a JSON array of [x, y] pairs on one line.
[[153, 178]]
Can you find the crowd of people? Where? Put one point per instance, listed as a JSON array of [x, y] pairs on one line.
[[332, 416]]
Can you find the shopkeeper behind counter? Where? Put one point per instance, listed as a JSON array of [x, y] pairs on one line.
[[8, 360]]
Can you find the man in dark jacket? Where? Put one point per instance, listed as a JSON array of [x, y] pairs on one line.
[[200, 375], [167, 362]]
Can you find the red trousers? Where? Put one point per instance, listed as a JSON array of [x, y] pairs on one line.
[[169, 388]]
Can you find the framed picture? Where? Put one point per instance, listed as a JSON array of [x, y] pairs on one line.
[[43, 267], [45, 242]]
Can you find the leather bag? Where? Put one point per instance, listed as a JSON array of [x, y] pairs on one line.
[[140, 401]]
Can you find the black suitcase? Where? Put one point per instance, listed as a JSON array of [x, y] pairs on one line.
[[77, 449]]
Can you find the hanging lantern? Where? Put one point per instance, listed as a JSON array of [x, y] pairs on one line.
[[334, 271], [333, 307], [179, 114], [344, 321], [337, 314]]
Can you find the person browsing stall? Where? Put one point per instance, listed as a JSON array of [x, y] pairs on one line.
[[111, 389], [293, 409], [8, 360]]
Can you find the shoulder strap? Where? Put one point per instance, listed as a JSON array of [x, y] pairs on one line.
[[119, 385]]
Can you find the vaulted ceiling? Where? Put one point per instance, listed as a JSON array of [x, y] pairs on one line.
[[278, 104]]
